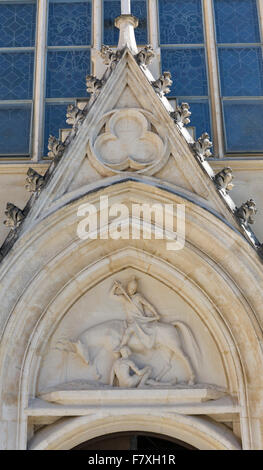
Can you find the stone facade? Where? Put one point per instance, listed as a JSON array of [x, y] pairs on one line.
[[101, 334]]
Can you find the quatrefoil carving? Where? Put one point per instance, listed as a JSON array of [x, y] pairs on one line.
[[128, 144]]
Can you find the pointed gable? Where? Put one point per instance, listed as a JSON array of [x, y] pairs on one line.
[[128, 128]]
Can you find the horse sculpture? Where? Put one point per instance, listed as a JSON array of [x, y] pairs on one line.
[[142, 330]]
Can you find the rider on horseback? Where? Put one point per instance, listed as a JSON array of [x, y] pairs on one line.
[[138, 320]]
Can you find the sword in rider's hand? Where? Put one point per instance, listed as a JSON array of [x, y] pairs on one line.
[[130, 300]]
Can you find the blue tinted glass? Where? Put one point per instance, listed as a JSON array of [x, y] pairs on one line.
[[15, 130], [244, 124], [236, 21], [17, 25], [139, 9], [188, 70], [181, 22], [69, 23], [16, 75], [55, 119], [241, 71], [200, 118], [112, 9], [66, 72]]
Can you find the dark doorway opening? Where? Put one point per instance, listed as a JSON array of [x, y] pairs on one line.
[[134, 441]]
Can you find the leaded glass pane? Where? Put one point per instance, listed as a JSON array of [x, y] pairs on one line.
[[16, 75], [66, 72], [55, 119], [69, 23], [241, 71], [15, 130], [139, 9], [200, 118], [236, 21], [112, 9], [244, 124], [181, 22], [17, 24], [188, 69]]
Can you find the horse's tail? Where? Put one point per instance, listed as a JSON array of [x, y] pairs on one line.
[[76, 347], [189, 338]]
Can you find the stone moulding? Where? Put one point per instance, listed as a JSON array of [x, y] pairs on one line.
[[175, 396]]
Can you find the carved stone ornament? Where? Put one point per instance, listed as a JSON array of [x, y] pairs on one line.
[[75, 116], [128, 140], [93, 84], [145, 56], [110, 57], [202, 146], [223, 179], [181, 114], [246, 213], [163, 83], [56, 148], [34, 181], [14, 215], [142, 329]]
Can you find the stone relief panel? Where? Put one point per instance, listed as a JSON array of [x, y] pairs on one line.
[[128, 140], [131, 331]]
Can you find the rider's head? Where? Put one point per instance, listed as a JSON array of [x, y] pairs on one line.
[[132, 286], [125, 352]]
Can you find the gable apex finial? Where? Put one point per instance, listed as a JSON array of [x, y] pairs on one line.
[[125, 7], [126, 23]]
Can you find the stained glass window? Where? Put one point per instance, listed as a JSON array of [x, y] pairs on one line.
[[243, 125], [15, 129], [112, 9], [17, 41], [66, 71], [17, 24], [55, 119], [241, 71], [69, 24], [16, 75], [139, 9], [68, 59], [200, 118], [181, 22], [188, 70], [236, 21]]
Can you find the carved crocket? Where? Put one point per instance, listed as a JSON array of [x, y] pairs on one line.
[[34, 181], [56, 147], [223, 179], [14, 215], [163, 83], [246, 213]]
